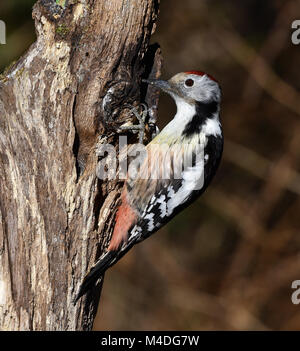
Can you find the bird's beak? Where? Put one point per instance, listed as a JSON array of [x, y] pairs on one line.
[[161, 84]]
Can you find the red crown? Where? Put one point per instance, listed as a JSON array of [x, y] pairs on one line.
[[200, 73]]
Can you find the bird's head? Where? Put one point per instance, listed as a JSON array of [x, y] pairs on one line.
[[197, 96], [192, 87]]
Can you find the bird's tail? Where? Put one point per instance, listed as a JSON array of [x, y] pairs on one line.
[[104, 262]]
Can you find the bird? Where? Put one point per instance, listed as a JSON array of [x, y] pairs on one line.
[[148, 202]]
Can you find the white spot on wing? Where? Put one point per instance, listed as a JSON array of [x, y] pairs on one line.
[[192, 179], [163, 206], [136, 230], [149, 217], [149, 208], [152, 199], [212, 127]]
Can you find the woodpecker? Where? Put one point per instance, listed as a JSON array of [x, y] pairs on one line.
[[147, 203]]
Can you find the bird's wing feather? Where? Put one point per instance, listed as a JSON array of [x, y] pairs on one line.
[[170, 195]]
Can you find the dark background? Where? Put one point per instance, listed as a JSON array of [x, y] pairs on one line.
[[228, 261]]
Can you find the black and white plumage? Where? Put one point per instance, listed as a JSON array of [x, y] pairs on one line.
[[148, 202]]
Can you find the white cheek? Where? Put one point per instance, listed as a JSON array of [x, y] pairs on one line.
[[205, 95], [206, 90]]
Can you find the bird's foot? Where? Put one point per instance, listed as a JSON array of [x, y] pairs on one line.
[[141, 117]]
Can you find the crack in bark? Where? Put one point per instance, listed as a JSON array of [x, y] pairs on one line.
[[76, 144]]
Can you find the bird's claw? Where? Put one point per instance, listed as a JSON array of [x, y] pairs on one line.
[[141, 117]]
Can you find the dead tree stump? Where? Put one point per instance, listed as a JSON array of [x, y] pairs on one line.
[[56, 216]]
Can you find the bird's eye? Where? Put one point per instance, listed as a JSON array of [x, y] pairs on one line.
[[189, 82]]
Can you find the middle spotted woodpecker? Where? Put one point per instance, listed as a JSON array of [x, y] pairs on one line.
[[148, 202]]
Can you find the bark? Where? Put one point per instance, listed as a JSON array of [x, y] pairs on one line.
[[64, 95]]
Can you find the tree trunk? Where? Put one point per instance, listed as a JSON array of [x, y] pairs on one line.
[[66, 92]]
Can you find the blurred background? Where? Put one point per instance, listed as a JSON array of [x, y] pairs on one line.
[[228, 261]]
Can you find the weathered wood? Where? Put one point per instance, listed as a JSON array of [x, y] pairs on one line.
[[56, 216]]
